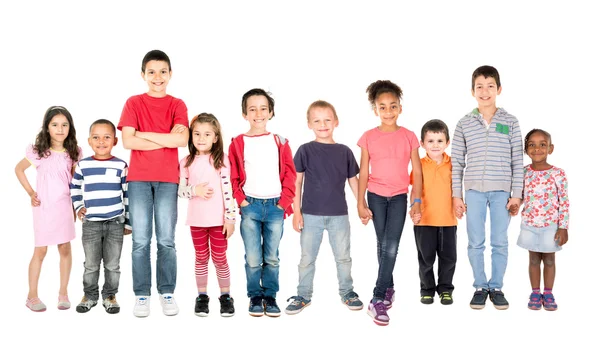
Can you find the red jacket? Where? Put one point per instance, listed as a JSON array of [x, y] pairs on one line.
[[287, 172]]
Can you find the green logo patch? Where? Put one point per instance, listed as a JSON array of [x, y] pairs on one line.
[[501, 128]]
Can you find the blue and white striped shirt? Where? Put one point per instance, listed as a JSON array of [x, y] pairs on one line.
[[487, 158], [104, 192]]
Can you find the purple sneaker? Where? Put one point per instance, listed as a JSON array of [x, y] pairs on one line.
[[390, 295], [378, 312]]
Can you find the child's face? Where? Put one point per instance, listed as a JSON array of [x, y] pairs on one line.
[[102, 139], [485, 91], [203, 137], [157, 76], [322, 122], [435, 144], [58, 128], [388, 108], [538, 148], [257, 113]]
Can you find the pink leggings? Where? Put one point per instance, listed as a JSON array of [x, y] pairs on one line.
[[202, 236]]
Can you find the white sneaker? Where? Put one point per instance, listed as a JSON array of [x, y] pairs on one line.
[[142, 306], [169, 306]]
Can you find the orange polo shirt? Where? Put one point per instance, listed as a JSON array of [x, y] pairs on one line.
[[436, 206]]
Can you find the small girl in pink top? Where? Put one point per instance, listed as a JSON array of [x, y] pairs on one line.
[[205, 180], [53, 155], [545, 216], [388, 149]]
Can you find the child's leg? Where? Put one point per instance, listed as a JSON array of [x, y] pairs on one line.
[[66, 261], [535, 260], [389, 215], [499, 220], [250, 229], [218, 251], [141, 211], [35, 267], [338, 230], [200, 240], [446, 251], [426, 238], [272, 231], [111, 253], [549, 270], [91, 239], [165, 219], [477, 203], [311, 237]]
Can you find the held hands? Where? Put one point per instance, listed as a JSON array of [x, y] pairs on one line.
[[513, 206], [126, 231], [459, 207], [298, 221], [513, 210], [562, 236], [228, 229], [81, 213], [415, 213], [203, 190], [34, 199], [365, 214]]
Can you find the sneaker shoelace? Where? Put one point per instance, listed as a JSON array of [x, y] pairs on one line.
[[380, 309], [168, 300]]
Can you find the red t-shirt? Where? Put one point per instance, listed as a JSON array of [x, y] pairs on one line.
[[158, 115]]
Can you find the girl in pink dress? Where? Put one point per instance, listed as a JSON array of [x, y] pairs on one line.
[[53, 155]]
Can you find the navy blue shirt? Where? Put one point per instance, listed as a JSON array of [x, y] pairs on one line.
[[326, 168]]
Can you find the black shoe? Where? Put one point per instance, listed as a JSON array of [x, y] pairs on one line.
[[271, 308], [256, 307], [479, 298], [446, 298], [426, 300], [227, 309], [201, 308], [497, 298]]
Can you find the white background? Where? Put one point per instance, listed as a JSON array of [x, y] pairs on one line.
[[87, 57]]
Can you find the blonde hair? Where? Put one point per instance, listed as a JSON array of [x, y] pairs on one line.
[[320, 104]]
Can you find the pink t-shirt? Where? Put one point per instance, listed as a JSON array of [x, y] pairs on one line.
[[389, 156], [214, 211]]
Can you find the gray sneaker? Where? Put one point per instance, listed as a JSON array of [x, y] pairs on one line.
[[85, 305], [352, 301], [479, 298], [111, 305], [297, 305], [497, 298]]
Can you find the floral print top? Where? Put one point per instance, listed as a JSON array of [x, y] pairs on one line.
[[545, 198]]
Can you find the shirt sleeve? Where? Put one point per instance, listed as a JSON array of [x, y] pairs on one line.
[[229, 203], [516, 144], [353, 168], [563, 200], [125, 196], [32, 156], [180, 116], [128, 116], [362, 142], [76, 189], [300, 160], [459, 148]]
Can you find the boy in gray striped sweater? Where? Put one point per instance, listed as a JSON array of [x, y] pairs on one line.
[[487, 156], [99, 195]]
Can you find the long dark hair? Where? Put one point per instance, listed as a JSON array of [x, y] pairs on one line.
[[216, 151], [43, 141]]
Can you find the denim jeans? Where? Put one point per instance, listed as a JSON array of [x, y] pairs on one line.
[[338, 230], [102, 241], [477, 205], [389, 214], [262, 228], [156, 200]]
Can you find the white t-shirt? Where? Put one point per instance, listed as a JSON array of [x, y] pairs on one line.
[[261, 163]]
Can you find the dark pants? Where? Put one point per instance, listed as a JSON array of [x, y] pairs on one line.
[[432, 240], [389, 214]]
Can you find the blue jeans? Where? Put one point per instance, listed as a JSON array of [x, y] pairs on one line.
[[102, 241], [338, 230], [156, 200], [477, 205], [262, 229], [389, 214]]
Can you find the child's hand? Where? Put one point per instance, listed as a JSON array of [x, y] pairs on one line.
[[81, 213], [244, 204], [34, 199], [364, 221], [178, 128], [298, 221], [459, 207], [511, 202], [228, 229], [562, 236], [415, 213], [203, 191], [514, 210], [365, 214], [126, 231]]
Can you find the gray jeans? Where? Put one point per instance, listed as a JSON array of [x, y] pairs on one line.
[[102, 241]]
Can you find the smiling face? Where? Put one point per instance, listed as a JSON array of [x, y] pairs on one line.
[[388, 108], [485, 91], [538, 147], [322, 121], [257, 114], [102, 139], [58, 128], [203, 137], [157, 76], [435, 143]]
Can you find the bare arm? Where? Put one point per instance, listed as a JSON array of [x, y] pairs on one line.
[[417, 187], [363, 177], [20, 172], [353, 182], [298, 221], [177, 138], [131, 141]]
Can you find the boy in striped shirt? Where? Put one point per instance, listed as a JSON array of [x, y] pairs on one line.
[[487, 156], [99, 195]]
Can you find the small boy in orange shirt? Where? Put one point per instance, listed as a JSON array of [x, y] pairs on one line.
[[435, 234]]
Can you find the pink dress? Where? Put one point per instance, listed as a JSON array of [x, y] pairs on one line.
[[53, 220]]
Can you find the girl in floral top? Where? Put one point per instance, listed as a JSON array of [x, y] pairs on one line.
[[545, 216]]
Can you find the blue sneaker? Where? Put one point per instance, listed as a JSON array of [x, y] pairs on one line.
[[256, 308], [271, 308], [297, 305], [352, 301]]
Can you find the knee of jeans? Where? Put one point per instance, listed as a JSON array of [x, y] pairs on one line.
[[140, 246], [112, 266], [254, 261], [272, 261], [91, 266]]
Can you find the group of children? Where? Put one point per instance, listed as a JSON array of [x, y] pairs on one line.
[[259, 178]]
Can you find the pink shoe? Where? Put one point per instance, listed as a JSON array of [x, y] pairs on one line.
[[35, 305], [63, 303]]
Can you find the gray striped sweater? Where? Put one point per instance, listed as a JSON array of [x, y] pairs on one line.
[[487, 159]]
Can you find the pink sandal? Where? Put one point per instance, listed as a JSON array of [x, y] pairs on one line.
[[35, 304], [63, 303]]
